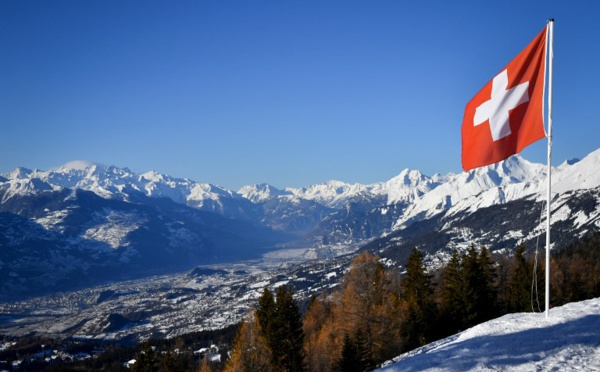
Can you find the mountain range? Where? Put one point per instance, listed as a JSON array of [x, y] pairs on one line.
[[84, 222]]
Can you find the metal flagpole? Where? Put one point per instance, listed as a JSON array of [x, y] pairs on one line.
[[550, 41]]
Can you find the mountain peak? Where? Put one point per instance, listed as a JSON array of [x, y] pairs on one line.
[[407, 186], [408, 177], [511, 170], [19, 173], [260, 192], [153, 176]]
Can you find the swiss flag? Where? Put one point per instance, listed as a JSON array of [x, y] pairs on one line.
[[507, 114]]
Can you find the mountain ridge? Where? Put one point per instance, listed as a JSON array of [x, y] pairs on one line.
[[304, 209], [328, 219], [408, 185]]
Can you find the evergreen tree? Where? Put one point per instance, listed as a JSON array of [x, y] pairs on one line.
[[365, 342], [489, 307], [519, 283], [472, 277], [504, 269], [351, 359], [281, 326], [479, 287], [417, 296], [452, 297], [265, 314], [467, 292], [287, 343]]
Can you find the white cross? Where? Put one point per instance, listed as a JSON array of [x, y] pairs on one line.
[[497, 108]]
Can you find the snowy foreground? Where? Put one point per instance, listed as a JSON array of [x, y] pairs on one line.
[[569, 340]]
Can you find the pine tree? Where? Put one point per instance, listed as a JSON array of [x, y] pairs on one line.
[[475, 287], [417, 295], [519, 283], [281, 326], [504, 269], [364, 340], [287, 344], [452, 297], [490, 293], [351, 359], [265, 314]]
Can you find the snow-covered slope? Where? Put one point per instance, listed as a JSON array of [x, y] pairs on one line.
[[515, 173], [569, 340], [512, 179], [578, 175], [261, 192], [408, 186]]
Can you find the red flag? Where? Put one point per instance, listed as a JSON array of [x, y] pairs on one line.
[[507, 114]]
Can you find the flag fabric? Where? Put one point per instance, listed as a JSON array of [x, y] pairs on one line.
[[507, 114]]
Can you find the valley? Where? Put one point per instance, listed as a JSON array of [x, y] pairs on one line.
[[205, 298], [101, 253]]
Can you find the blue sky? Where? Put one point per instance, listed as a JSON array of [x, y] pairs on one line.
[[289, 93]]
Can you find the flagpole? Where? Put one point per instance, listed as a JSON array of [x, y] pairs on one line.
[[550, 66]]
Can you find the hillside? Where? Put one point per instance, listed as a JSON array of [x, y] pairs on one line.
[[569, 340]]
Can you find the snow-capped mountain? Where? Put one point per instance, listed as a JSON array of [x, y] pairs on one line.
[[423, 196], [261, 193], [105, 211], [508, 180], [452, 195], [499, 207], [111, 182], [333, 194]]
